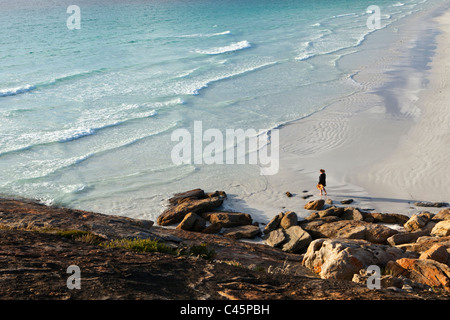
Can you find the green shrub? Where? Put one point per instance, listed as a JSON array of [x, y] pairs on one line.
[[140, 245]]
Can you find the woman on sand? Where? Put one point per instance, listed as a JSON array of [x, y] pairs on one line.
[[322, 182]]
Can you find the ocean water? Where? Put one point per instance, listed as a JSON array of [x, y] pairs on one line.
[[86, 115]]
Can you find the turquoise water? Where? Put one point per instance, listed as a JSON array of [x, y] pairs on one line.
[[86, 115]]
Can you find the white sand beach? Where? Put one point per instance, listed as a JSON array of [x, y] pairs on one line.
[[386, 146], [419, 168]]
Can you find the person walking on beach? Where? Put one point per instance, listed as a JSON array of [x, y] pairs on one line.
[[322, 182]]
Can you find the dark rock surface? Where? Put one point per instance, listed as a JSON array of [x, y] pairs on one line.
[[34, 262]]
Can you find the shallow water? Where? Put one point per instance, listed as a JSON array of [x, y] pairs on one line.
[[87, 115]]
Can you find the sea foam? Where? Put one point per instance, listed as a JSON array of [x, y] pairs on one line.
[[205, 35], [236, 46], [15, 91]]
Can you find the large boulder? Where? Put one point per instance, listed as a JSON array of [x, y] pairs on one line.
[[274, 223], [351, 213], [315, 204], [292, 239], [276, 238], [348, 229], [296, 239], [192, 222], [188, 221], [342, 258], [418, 221], [289, 219], [441, 229]]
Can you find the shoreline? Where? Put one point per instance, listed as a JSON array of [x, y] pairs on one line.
[[362, 139]]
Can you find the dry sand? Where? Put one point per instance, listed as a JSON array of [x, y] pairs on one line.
[[419, 168], [386, 146]]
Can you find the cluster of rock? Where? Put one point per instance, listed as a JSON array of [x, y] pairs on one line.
[[196, 210], [332, 222], [336, 242], [416, 258], [346, 241]]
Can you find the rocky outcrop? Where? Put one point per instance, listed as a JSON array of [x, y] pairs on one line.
[[195, 210], [34, 260], [30, 215], [292, 264], [348, 240], [118, 274], [176, 213], [344, 241]]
